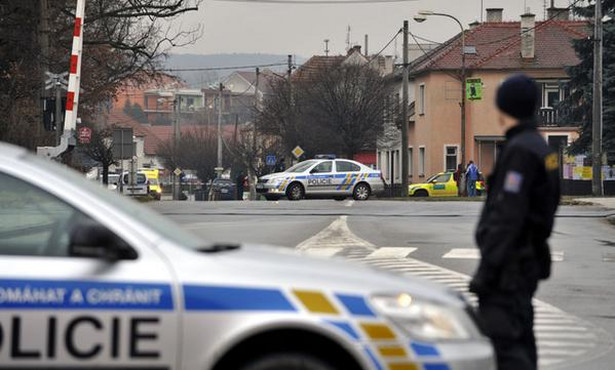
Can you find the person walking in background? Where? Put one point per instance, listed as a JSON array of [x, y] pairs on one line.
[[471, 178], [515, 224], [457, 177]]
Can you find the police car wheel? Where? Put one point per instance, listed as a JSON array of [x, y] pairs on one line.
[[421, 193], [361, 192], [287, 361], [295, 192]]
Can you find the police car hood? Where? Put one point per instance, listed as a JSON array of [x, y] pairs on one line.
[[274, 175], [268, 266]]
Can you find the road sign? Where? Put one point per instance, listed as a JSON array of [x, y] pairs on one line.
[[298, 152], [270, 160], [474, 89], [123, 146], [85, 135], [177, 172]]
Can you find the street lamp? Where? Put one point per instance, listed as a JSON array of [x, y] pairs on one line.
[[422, 17]]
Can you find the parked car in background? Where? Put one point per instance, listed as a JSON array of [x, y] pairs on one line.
[[224, 189], [441, 185], [155, 187], [322, 178]]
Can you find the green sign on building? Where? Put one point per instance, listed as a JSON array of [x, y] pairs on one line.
[[474, 89]]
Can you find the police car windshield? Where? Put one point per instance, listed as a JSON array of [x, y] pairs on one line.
[[302, 167], [163, 226], [432, 178]]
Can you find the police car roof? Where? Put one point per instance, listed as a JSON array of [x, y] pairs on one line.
[[11, 151]]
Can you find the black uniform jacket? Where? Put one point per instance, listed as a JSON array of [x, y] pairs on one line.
[[517, 219]]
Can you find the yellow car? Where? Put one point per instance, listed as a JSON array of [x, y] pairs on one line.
[[155, 188], [441, 185]]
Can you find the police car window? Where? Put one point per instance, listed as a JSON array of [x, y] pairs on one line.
[[301, 167], [33, 222], [139, 178], [323, 167], [443, 178], [344, 166], [154, 221]]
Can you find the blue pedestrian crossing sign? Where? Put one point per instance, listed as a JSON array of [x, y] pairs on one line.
[[270, 160]]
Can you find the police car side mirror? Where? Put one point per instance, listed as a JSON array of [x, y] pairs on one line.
[[92, 240]]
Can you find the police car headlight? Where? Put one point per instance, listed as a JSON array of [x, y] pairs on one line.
[[275, 182], [425, 320]]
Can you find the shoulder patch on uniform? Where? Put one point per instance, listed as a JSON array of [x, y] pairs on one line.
[[513, 182], [551, 162]]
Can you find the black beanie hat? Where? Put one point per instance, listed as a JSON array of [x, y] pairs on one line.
[[518, 96]]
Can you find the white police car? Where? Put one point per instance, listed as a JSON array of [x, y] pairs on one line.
[[89, 279], [323, 177]]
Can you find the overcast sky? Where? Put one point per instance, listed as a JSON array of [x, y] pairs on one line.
[[234, 27]]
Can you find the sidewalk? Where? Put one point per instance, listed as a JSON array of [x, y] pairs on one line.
[[604, 202]]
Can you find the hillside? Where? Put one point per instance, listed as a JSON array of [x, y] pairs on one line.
[[199, 79]]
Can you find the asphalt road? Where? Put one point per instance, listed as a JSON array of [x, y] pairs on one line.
[[576, 316]]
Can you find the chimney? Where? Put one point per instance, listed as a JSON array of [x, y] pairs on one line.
[[558, 14], [356, 48], [474, 24], [494, 15], [366, 41], [528, 21]]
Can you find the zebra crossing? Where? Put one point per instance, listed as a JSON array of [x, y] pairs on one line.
[[563, 340]]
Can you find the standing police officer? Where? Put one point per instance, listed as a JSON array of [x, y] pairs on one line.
[[517, 219]]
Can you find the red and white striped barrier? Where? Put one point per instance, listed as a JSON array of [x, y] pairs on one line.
[[72, 96]]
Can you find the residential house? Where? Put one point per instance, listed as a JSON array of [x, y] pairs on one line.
[[163, 105], [494, 50]]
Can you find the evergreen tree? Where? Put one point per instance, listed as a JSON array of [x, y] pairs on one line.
[[576, 109]]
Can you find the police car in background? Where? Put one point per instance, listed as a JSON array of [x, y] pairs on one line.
[[322, 177], [89, 279]]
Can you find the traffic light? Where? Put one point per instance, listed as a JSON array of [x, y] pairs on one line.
[[49, 117]]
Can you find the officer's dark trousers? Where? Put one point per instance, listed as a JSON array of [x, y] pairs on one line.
[[507, 318]]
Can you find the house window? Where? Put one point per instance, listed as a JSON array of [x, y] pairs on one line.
[[422, 161], [421, 99], [410, 161], [450, 154]]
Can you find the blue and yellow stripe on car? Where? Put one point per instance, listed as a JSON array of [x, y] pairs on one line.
[[349, 314]]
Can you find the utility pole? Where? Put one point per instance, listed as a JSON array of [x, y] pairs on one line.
[[404, 117], [44, 63], [58, 111], [176, 138], [597, 185], [220, 168], [251, 175]]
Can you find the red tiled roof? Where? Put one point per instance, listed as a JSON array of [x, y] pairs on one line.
[[498, 46], [317, 63], [158, 134]]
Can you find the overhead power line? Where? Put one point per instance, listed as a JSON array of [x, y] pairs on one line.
[[226, 68], [317, 2]]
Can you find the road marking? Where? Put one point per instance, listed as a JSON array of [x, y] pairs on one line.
[[391, 252], [463, 253], [557, 256], [349, 203], [322, 252], [335, 235], [474, 254], [561, 337]]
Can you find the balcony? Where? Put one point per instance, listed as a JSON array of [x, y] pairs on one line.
[[547, 116]]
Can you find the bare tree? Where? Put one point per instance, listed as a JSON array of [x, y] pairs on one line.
[[337, 110], [123, 39], [99, 149], [196, 151], [352, 102]]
